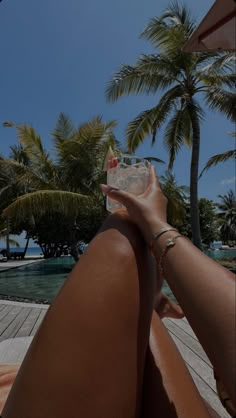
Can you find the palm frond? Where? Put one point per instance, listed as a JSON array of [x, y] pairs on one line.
[[149, 121], [187, 129], [30, 141], [223, 101], [218, 80], [171, 30], [204, 59], [3, 232], [3, 236], [174, 135], [224, 62], [4, 190], [81, 157], [63, 130], [134, 80], [179, 128], [19, 154], [140, 127], [179, 15], [158, 64], [41, 202], [14, 242], [25, 176], [157, 160], [219, 158]]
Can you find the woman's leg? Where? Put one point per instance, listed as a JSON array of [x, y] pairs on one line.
[[168, 389], [87, 359]]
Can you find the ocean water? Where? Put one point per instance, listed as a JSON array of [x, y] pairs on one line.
[[31, 251]]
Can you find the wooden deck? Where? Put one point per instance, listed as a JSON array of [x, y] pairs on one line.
[[23, 319], [20, 319]]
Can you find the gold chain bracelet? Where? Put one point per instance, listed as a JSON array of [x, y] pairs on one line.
[[159, 234], [170, 242]]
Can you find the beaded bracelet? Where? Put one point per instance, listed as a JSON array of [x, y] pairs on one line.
[[170, 242]]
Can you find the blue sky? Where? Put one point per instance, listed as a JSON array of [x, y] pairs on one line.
[[59, 55]]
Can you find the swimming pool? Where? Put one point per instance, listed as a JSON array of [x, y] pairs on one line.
[[38, 281], [219, 254], [42, 281]]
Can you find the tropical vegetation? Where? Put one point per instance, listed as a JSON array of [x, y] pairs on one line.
[[221, 158], [178, 197], [4, 236], [185, 80], [60, 192], [57, 200], [209, 221], [227, 215]]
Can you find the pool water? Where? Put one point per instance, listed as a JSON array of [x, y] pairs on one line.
[[219, 254], [39, 281]]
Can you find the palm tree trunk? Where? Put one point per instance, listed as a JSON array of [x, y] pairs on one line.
[[194, 210], [8, 240], [26, 245]]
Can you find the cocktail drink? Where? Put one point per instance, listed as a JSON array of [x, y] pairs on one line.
[[127, 173]]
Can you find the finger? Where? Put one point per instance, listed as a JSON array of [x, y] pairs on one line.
[[154, 178], [122, 197]]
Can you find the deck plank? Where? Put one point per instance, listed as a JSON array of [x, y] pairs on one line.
[[187, 339], [11, 315], [185, 327], [2, 307], [200, 366], [208, 394], [12, 329], [29, 323], [6, 309], [38, 322]]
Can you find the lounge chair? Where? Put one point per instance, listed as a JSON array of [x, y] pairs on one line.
[[12, 353]]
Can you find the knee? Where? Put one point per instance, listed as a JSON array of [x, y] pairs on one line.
[[128, 235], [127, 244]]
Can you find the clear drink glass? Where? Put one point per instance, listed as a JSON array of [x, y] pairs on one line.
[[131, 174]]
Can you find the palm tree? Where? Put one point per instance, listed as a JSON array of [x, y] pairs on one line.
[[228, 215], [68, 182], [177, 198], [220, 158], [182, 76], [4, 237]]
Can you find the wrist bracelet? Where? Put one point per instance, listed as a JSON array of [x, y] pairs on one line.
[[159, 234], [170, 242]]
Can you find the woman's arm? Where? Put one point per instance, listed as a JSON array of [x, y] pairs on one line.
[[206, 293], [205, 290]]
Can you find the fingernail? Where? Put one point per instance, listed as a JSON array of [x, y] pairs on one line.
[[111, 188], [106, 189]]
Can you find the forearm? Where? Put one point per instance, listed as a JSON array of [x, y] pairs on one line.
[[206, 293], [205, 290]]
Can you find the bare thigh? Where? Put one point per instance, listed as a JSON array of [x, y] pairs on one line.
[[88, 357]]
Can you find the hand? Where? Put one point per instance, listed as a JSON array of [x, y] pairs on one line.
[[147, 210]]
